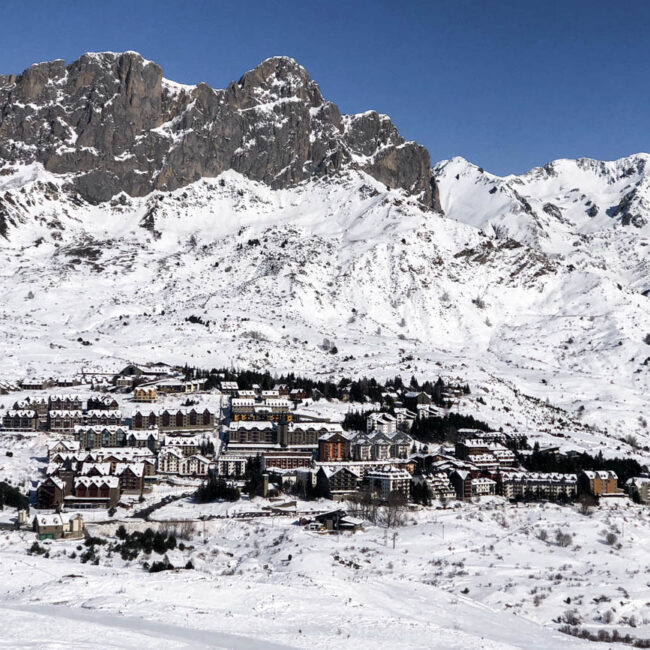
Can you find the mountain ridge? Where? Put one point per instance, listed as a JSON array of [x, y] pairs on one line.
[[109, 119], [553, 205]]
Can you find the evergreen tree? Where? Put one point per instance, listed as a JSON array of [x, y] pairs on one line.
[[322, 486], [253, 476], [215, 489]]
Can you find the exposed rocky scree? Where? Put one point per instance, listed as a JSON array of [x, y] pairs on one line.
[[114, 122]]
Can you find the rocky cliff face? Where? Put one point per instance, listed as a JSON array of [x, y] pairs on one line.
[[116, 124]]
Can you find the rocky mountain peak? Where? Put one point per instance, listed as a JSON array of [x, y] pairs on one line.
[[112, 123], [281, 77]]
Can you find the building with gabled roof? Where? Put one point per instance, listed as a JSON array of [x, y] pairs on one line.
[[535, 485], [382, 422], [95, 469], [600, 482], [21, 420], [340, 481], [387, 480], [131, 477], [63, 445], [96, 436], [231, 465], [179, 419], [32, 403], [65, 402], [64, 421], [172, 461], [439, 485], [334, 446], [51, 492], [94, 492], [58, 526]]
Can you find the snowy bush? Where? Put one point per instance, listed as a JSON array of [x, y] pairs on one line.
[[562, 539]]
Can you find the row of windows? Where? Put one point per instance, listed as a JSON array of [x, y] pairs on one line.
[[178, 419]]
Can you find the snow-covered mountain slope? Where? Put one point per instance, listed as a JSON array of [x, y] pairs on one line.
[[553, 206], [129, 204], [273, 273]]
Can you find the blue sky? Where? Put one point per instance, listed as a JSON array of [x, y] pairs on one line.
[[508, 85]]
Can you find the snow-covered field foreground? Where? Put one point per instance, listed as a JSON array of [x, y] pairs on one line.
[[475, 576]]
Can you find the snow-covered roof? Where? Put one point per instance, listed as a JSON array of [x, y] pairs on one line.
[[100, 428], [388, 471], [50, 520], [331, 434], [538, 477], [483, 481], [121, 453], [26, 413], [332, 471], [171, 451], [251, 424], [332, 427], [101, 413], [281, 401], [27, 404], [143, 434], [110, 481], [603, 475], [136, 468], [382, 417], [638, 480], [103, 468], [481, 458], [63, 444], [56, 480], [181, 441], [66, 414], [199, 458]]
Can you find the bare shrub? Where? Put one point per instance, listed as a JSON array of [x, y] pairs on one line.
[[571, 617]]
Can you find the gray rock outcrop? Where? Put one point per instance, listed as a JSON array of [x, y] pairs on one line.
[[115, 124]]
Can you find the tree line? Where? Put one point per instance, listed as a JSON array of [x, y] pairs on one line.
[[13, 497], [539, 461], [362, 390]]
